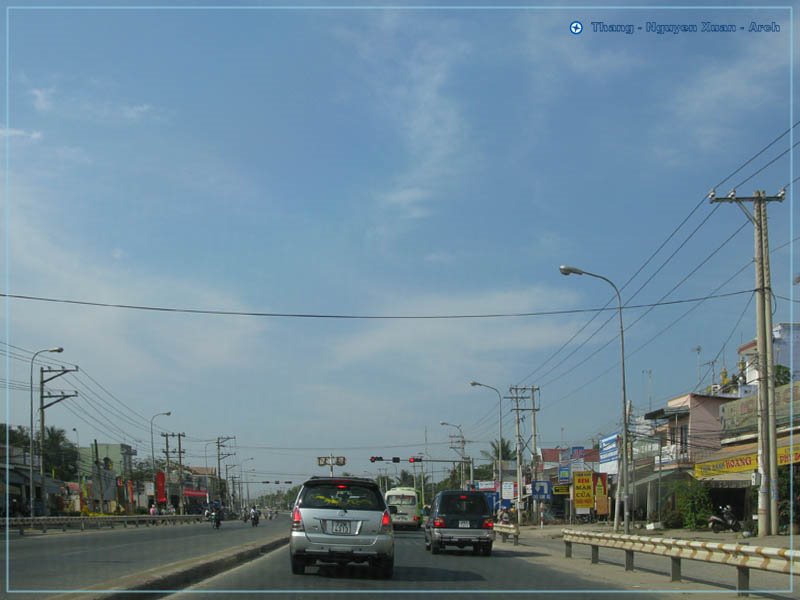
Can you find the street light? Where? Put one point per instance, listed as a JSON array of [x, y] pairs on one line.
[[153, 451], [461, 434], [500, 439], [30, 470], [567, 270]]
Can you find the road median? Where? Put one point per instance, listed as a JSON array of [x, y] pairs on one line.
[[174, 577]]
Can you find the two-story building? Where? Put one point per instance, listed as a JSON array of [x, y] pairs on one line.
[[689, 431]]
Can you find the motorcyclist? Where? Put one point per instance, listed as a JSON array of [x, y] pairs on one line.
[[254, 514]]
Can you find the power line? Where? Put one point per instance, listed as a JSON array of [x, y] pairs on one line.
[[542, 313]]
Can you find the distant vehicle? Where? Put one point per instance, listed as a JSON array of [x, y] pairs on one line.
[[341, 520], [408, 513], [461, 519]]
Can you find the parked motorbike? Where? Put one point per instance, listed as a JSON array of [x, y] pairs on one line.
[[724, 521]]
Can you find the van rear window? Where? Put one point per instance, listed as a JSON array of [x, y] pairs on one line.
[[338, 496], [401, 499], [464, 505]]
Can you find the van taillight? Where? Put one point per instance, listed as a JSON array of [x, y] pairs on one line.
[[438, 522], [297, 520], [488, 523]]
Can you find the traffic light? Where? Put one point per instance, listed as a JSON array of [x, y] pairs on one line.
[[396, 459], [415, 459], [375, 458]]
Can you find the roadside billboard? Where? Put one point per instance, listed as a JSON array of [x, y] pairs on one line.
[[583, 489], [609, 454]]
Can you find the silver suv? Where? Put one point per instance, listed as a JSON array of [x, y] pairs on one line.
[[341, 520]]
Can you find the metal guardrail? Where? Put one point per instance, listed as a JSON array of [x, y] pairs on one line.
[[82, 523], [742, 556], [507, 529]]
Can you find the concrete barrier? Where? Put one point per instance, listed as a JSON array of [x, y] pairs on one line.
[[81, 523], [507, 529]]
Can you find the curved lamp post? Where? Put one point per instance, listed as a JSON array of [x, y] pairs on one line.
[[499, 440], [153, 451], [567, 270], [30, 470]]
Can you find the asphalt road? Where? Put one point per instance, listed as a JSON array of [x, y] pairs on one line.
[[108, 560], [528, 570], [76, 560]]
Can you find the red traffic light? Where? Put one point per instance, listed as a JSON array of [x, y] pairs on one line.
[[375, 458], [415, 459]]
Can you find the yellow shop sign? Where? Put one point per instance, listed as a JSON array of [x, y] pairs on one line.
[[744, 462]]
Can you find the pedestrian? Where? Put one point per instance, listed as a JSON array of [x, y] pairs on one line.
[[152, 510]]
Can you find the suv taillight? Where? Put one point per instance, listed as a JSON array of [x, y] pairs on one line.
[[488, 523], [438, 522], [297, 520], [386, 521]]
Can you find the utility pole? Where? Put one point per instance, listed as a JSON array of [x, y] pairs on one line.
[[166, 469], [516, 398], [767, 449], [100, 477], [42, 396], [221, 444], [180, 472], [534, 454]]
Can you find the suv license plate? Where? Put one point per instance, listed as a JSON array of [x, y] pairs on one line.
[[342, 527], [463, 524]]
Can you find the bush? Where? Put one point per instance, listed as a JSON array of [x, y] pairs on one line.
[[693, 502], [672, 519]]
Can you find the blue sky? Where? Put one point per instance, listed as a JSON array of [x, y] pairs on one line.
[[380, 162]]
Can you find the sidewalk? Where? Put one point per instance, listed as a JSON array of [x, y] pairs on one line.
[[725, 537]]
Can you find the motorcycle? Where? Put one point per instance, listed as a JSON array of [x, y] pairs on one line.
[[726, 521], [254, 519], [245, 517], [215, 520]]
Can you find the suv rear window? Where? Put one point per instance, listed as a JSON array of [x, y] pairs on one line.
[[337, 496], [463, 504]]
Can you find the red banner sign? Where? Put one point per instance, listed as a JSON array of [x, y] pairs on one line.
[[161, 493]]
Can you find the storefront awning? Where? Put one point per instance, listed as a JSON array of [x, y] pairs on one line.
[[743, 458], [670, 475], [729, 480]]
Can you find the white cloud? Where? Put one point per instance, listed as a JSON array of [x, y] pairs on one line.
[[21, 133], [440, 257], [42, 99], [706, 111], [96, 105], [134, 113], [136, 348], [426, 346], [409, 75]]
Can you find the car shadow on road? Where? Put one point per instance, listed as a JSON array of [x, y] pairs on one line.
[[415, 574]]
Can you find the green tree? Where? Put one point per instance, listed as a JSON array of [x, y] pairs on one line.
[[403, 479], [17, 436], [783, 375], [506, 451], [60, 454]]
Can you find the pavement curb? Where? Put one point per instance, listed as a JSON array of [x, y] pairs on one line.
[[173, 577]]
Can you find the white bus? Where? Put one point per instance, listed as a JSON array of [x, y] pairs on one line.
[[406, 501]]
